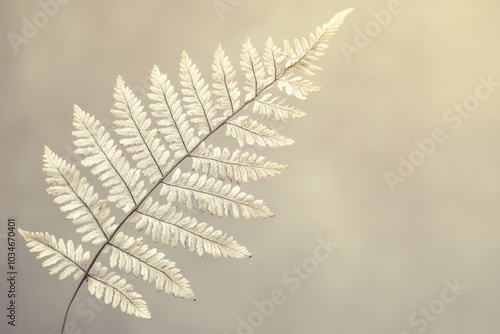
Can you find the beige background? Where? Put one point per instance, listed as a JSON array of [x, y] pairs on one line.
[[397, 248]]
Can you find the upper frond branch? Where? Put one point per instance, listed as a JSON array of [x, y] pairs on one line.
[[273, 59], [172, 121], [133, 256], [237, 166], [62, 257], [166, 224], [140, 140], [77, 197], [115, 291], [308, 51], [214, 196], [275, 109], [197, 97], [248, 131], [107, 161], [297, 86], [225, 85], [252, 67]]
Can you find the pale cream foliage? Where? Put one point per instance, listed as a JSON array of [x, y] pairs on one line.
[[178, 131]]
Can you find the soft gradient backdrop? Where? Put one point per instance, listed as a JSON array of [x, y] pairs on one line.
[[397, 248]]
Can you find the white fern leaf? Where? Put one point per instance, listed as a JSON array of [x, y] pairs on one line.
[[166, 224], [185, 131], [275, 109], [289, 52], [252, 67], [172, 121], [297, 86], [77, 197], [140, 140], [214, 196], [115, 291], [273, 58], [106, 161], [307, 54], [61, 257], [132, 256], [197, 97], [225, 87], [237, 166], [248, 131], [308, 51]]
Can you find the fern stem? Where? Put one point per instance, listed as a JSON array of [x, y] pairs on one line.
[[188, 154], [73, 298]]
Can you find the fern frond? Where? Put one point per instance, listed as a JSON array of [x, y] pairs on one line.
[[77, 197], [173, 122], [166, 224], [140, 140], [223, 200], [297, 86], [252, 67], [291, 58], [132, 256], [309, 51], [306, 52], [106, 161], [209, 188], [273, 59], [275, 109], [197, 96], [248, 131], [225, 87], [238, 166], [62, 257], [115, 291], [306, 65]]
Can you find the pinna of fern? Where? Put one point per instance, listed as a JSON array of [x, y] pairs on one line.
[[175, 129]]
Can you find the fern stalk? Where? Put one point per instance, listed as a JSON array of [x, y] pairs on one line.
[[126, 184]]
